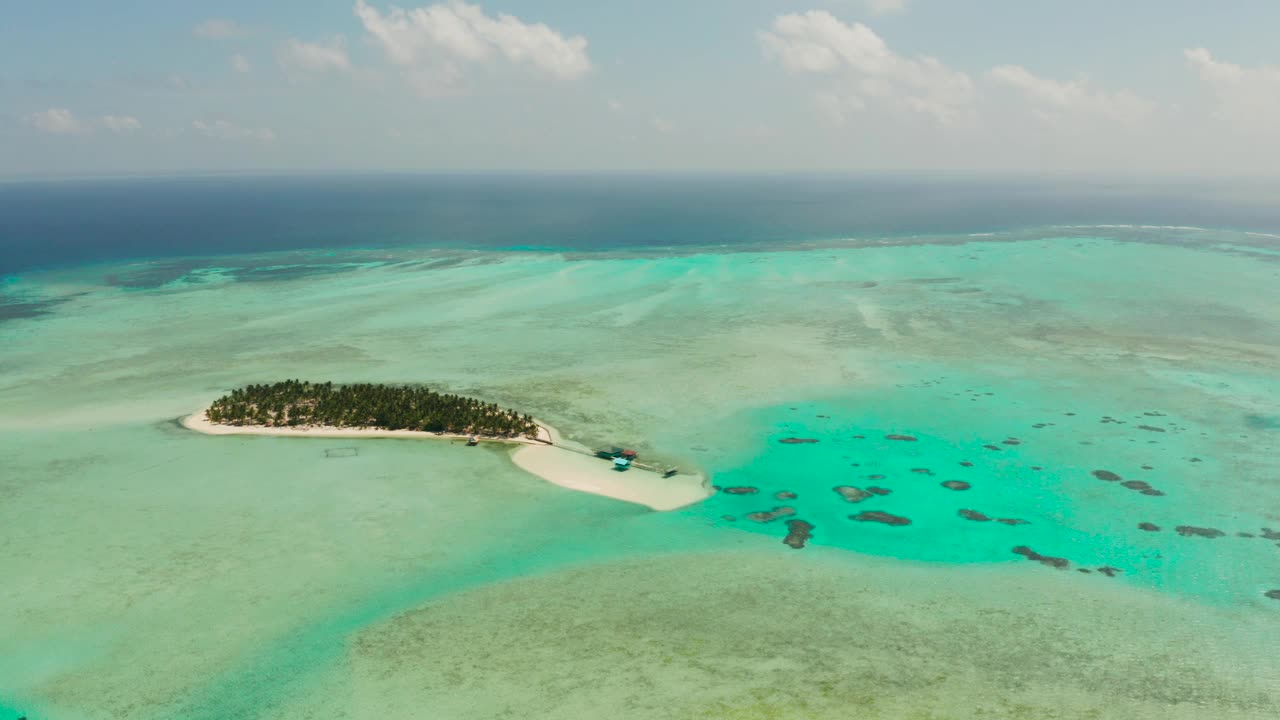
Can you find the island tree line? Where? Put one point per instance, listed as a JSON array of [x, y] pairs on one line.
[[295, 403]]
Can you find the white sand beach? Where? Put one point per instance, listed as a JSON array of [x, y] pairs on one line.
[[200, 423], [588, 474], [556, 463]]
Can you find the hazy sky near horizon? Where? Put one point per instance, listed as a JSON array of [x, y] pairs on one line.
[[88, 87]]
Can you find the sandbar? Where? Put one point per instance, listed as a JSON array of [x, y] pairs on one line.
[[592, 475], [549, 457]]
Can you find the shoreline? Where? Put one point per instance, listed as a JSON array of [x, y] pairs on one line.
[[200, 423], [551, 458]]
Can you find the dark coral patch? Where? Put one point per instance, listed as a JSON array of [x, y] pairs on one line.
[[1106, 475], [12, 309], [1273, 594], [1149, 527], [956, 485], [728, 518], [1193, 531], [1270, 534], [1136, 485], [1262, 422], [922, 471], [797, 441], [965, 463], [785, 495], [1053, 562], [1245, 535], [851, 494], [764, 516], [875, 477], [878, 490], [881, 517], [1151, 428], [1153, 492], [1109, 571], [798, 533], [901, 438], [974, 515], [740, 490], [1012, 441], [1013, 521]]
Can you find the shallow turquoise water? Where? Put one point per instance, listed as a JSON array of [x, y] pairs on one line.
[[155, 574], [1042, 475]]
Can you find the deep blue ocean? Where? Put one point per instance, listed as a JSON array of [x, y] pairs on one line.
[[64, 223]]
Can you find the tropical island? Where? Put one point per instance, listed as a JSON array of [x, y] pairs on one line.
[[296, 403], [300, 409]]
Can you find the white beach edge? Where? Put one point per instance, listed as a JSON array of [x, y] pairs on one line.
[[554, 463]]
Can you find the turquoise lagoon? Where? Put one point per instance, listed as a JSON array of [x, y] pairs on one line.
[[153, 573]]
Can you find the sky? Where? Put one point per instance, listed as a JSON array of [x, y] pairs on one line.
[[162, 86]]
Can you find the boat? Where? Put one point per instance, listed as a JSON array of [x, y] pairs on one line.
[[473, 440]]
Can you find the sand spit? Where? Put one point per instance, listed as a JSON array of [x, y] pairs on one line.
[[560, 462], [587, 474]]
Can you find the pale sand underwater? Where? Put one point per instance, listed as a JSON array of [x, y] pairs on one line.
[[759, 634], [152, 572]]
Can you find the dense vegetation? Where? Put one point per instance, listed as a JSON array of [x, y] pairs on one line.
[[293, 403]]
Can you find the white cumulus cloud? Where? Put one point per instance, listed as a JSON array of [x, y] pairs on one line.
[[57, 121], [330, 55], [867, 70], [1054, 98], [240, 63], [227, 130], [218, 29], [121, 123], [1247, 97], [835, 108], [455, 32]]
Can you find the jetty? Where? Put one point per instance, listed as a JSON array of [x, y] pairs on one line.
[[623, 459]]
